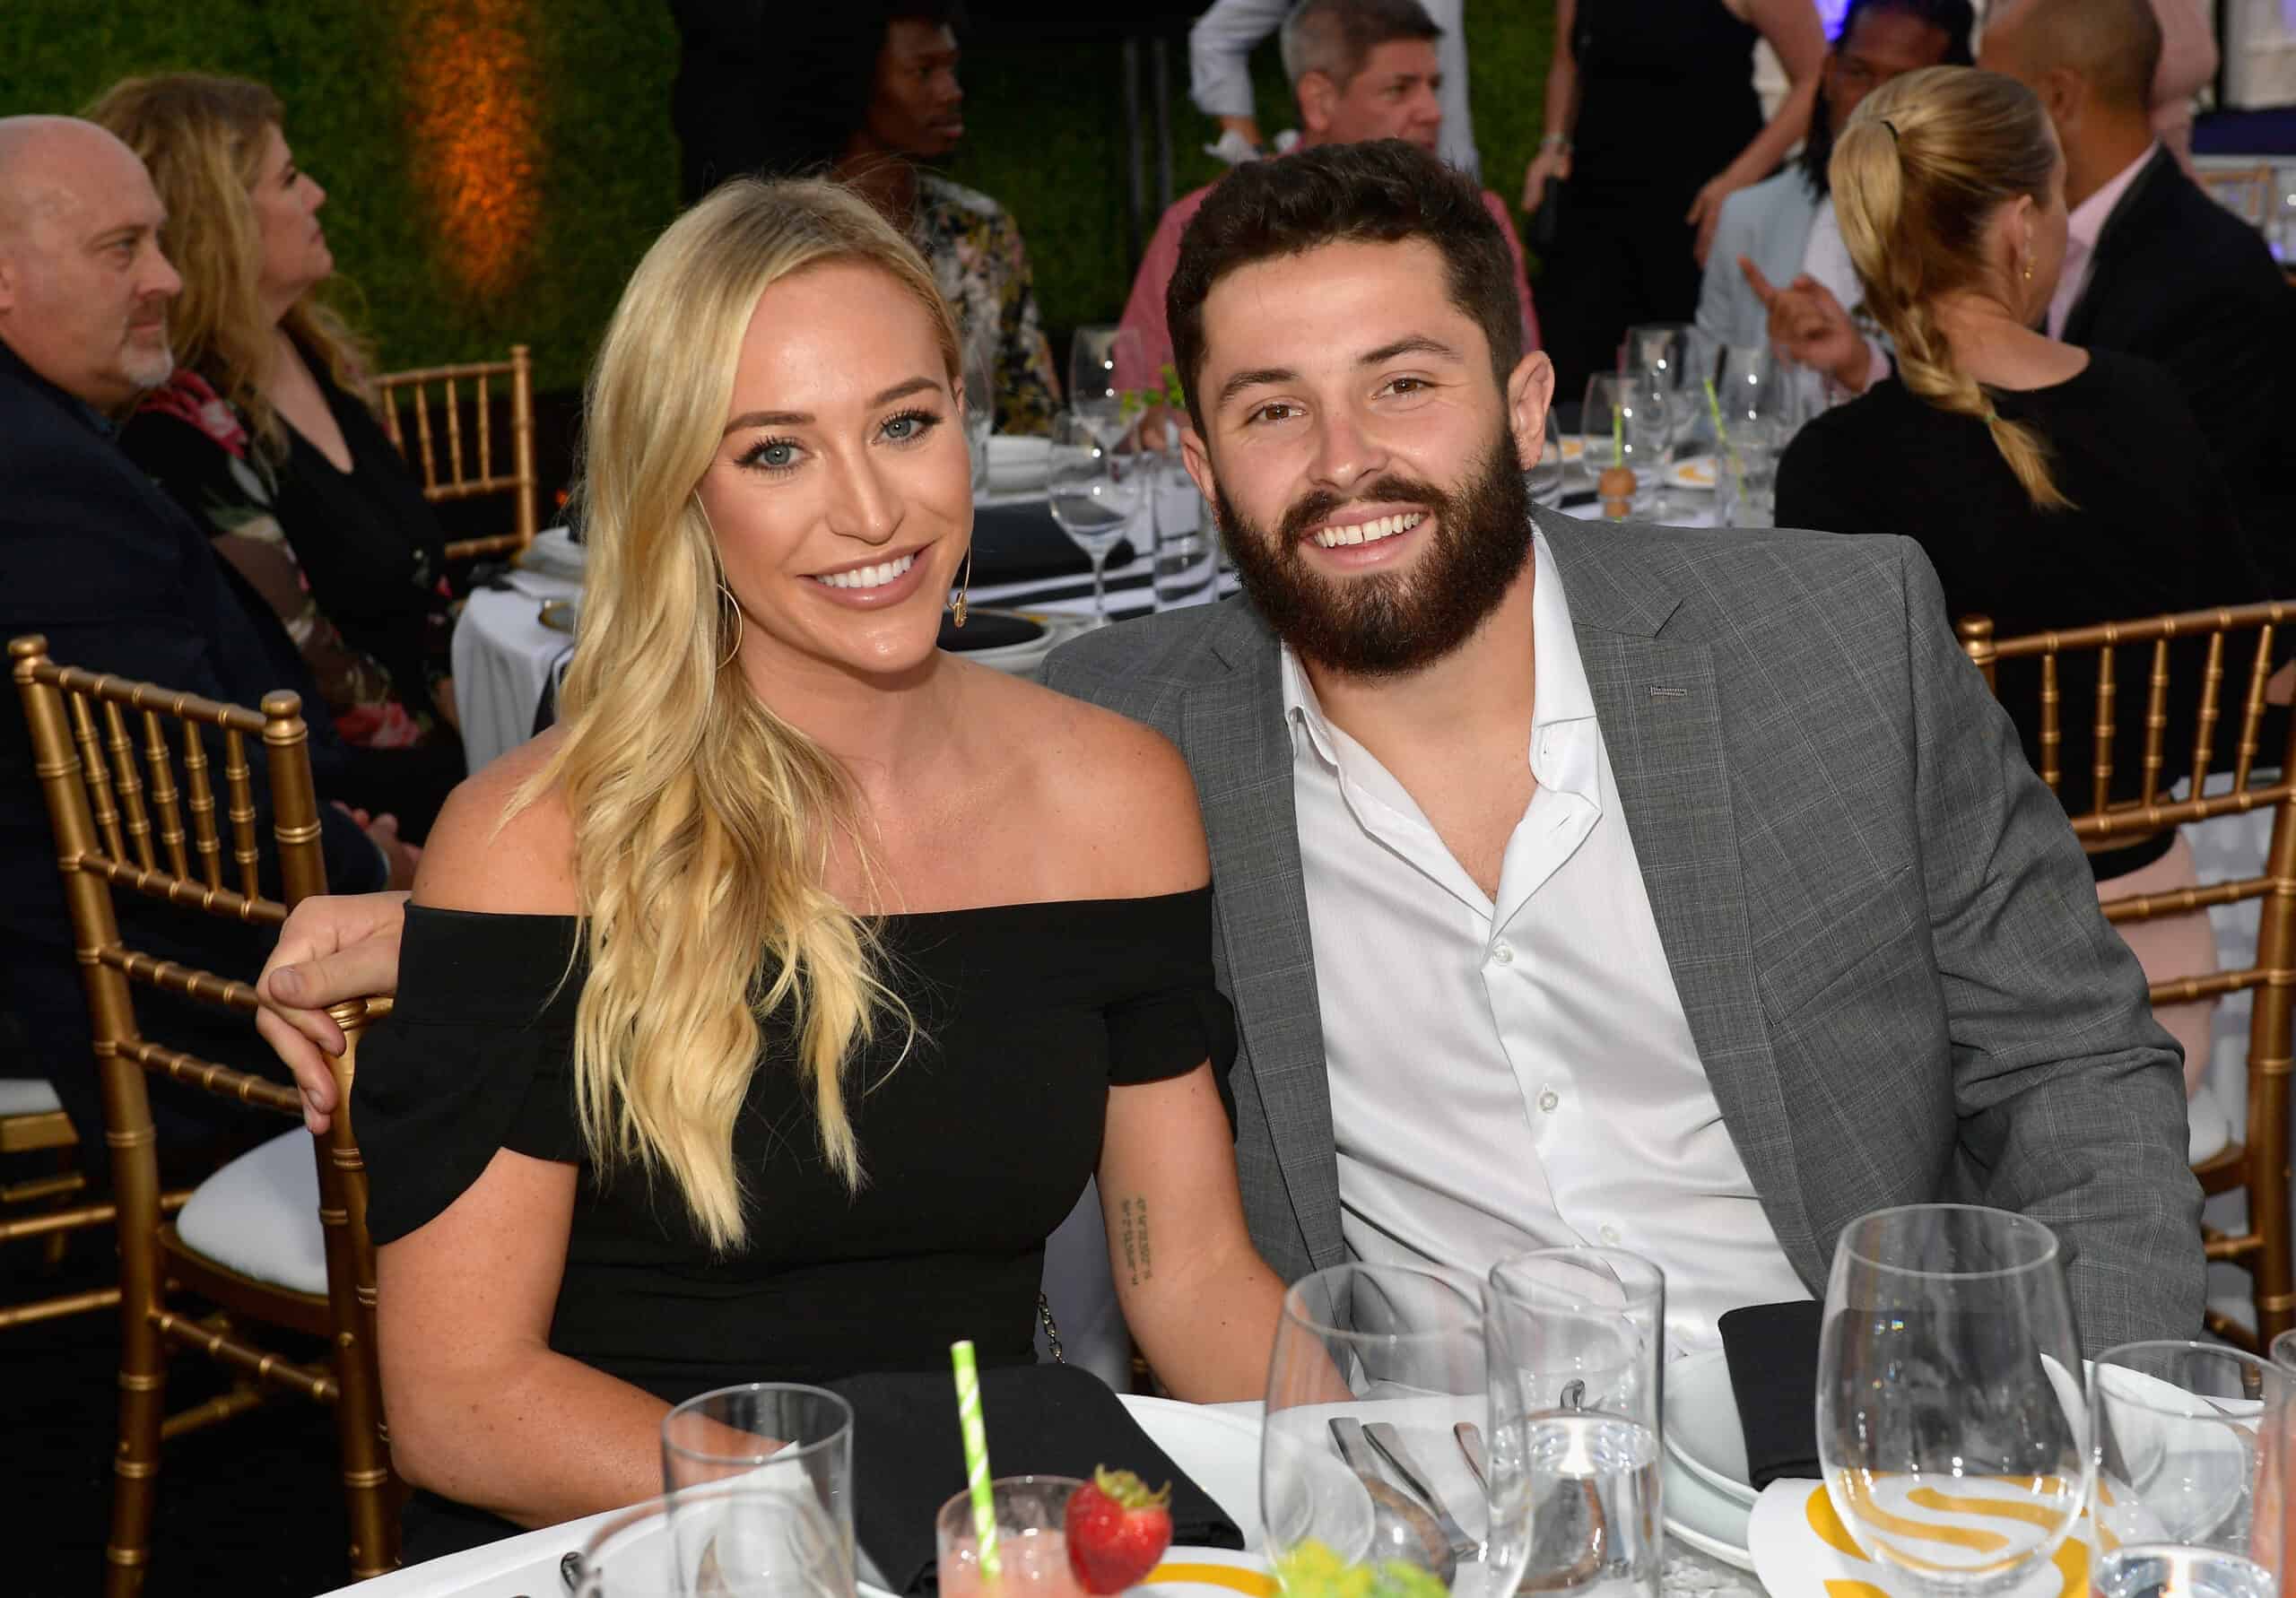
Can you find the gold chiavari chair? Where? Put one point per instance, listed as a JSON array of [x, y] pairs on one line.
[[469, 473], [33, 1122], [2258, 1165], [2247, 192], [90, 734]]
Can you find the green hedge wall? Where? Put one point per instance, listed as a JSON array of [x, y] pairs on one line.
[[363, 84]]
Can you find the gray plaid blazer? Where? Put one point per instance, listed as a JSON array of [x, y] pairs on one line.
[[1885, 938]]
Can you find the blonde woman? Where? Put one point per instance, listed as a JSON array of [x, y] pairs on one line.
[[2050, 485], [263, 433], [762, 1018]]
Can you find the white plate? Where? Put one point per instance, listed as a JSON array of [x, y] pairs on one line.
[[1016, 463], [1704, 1519], [1699, 472], [1219, 1450], [1208, 1573], [1703, 1431]]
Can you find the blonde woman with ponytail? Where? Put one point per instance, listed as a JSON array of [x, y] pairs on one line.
[[761, 1019], [2050, 485]]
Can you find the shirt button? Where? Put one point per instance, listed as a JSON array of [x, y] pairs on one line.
[[1610, 1235], [1549, 1099], [1504, 954]]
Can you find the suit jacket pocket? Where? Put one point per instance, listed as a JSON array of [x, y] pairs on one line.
[[1866, 924]]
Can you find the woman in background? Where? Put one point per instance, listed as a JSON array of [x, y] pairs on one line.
[[264, 433], [2051, 486]]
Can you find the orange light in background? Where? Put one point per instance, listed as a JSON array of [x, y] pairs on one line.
[[474, 109]]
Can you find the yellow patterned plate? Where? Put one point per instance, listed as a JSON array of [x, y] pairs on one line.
[[1800, 1549], [1209, 1573], [1696, 473]]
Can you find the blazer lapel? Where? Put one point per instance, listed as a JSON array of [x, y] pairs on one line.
[[1240, 752], [1660, 712], [2124, 224]]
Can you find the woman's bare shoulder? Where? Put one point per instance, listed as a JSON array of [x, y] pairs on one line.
[[482, 856]]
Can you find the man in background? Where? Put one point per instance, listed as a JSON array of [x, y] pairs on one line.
[[1360, 70], [94, 556]]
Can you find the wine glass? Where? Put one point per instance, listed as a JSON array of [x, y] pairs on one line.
[[1951, 1424], [1683, 357], [1545, 479], [2190, 1492], [1577, 1344], [1754, 399], [1103, 361], [734, 1540], [1094, 492], [1378, 1370]]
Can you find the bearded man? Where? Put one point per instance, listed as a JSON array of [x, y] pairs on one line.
[[1678, 890]]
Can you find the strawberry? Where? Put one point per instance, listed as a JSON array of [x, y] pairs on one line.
[[1116, 1530]]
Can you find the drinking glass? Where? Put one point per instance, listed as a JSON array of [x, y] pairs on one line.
[[1186, 569], [764, 1438], [1951, 1424], [1577, 1345], [1032, 1541], [1389, 1356], [731, 1541], [1545, 479], [1625, 424], [2190, 1493], [1683, 356], [1755, 400], [1103, 361], [1094, 492]]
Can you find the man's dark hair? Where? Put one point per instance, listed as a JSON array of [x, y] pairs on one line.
[[1382, 192], [1337, 37], [935, 13], [1954, 18]]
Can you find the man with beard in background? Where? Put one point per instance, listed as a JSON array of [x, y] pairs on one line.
[[1678, 890]]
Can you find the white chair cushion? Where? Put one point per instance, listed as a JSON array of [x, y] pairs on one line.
[[260, 1215], [27, 1096], [2207, 1128]]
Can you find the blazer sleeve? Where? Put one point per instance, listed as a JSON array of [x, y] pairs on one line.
[[2070, 1097]]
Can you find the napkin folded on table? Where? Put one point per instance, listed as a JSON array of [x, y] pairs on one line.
[[1041, 1420], [1773, 1349]]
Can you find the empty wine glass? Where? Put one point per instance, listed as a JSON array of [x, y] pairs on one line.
[[1103, 361], [1952, 1427], [1094, 492], [1377, 1371], [1755, 399], [2190, 1492], [1545, 479]]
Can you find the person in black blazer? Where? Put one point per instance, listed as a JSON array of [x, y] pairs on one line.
[[2171, 275], [94, 556]]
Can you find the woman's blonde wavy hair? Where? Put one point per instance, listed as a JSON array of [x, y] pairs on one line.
[[1927, 160], [202, 138], [701, 820]]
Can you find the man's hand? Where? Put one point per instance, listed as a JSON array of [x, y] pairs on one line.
[[1808, 327], [331, 950], [1549, 162], [382, 831]]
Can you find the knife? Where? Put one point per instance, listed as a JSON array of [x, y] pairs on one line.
[[1388, 1443]]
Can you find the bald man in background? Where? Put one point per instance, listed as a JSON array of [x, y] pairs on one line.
[[96, 557], [2152, 266]]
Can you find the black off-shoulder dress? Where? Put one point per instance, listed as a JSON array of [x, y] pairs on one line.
[[976, 1146]]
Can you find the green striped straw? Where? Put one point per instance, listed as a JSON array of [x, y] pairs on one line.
[[1722, 436], [983, 1500], [1618, 434]]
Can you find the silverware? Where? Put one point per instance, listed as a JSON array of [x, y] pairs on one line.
[[1471, 1444], [1388, 1442], [1398, 1522]]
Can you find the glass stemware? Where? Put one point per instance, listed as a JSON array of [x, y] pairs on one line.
[[1576, 1340], [1626, 425], [1378, 1379], [1094, 492], [1545, 479], [2190, 1492], [1952, 1427], [1103, 361], [1755, 400]]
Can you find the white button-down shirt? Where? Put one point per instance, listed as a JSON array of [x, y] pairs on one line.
[[1511, 1076], [2083, 226]]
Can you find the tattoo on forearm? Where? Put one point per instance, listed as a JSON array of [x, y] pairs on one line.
[[1132, 1231]]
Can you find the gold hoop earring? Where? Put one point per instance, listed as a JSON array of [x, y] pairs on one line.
[[964, 591], [740, 625]]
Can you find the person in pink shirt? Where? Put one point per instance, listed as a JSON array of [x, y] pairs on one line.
[[1360, 70]]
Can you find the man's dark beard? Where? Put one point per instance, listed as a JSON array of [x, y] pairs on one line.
[[1386, 623]]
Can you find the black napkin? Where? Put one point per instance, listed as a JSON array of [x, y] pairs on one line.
[[1041, 1420], [1773, 1354]]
